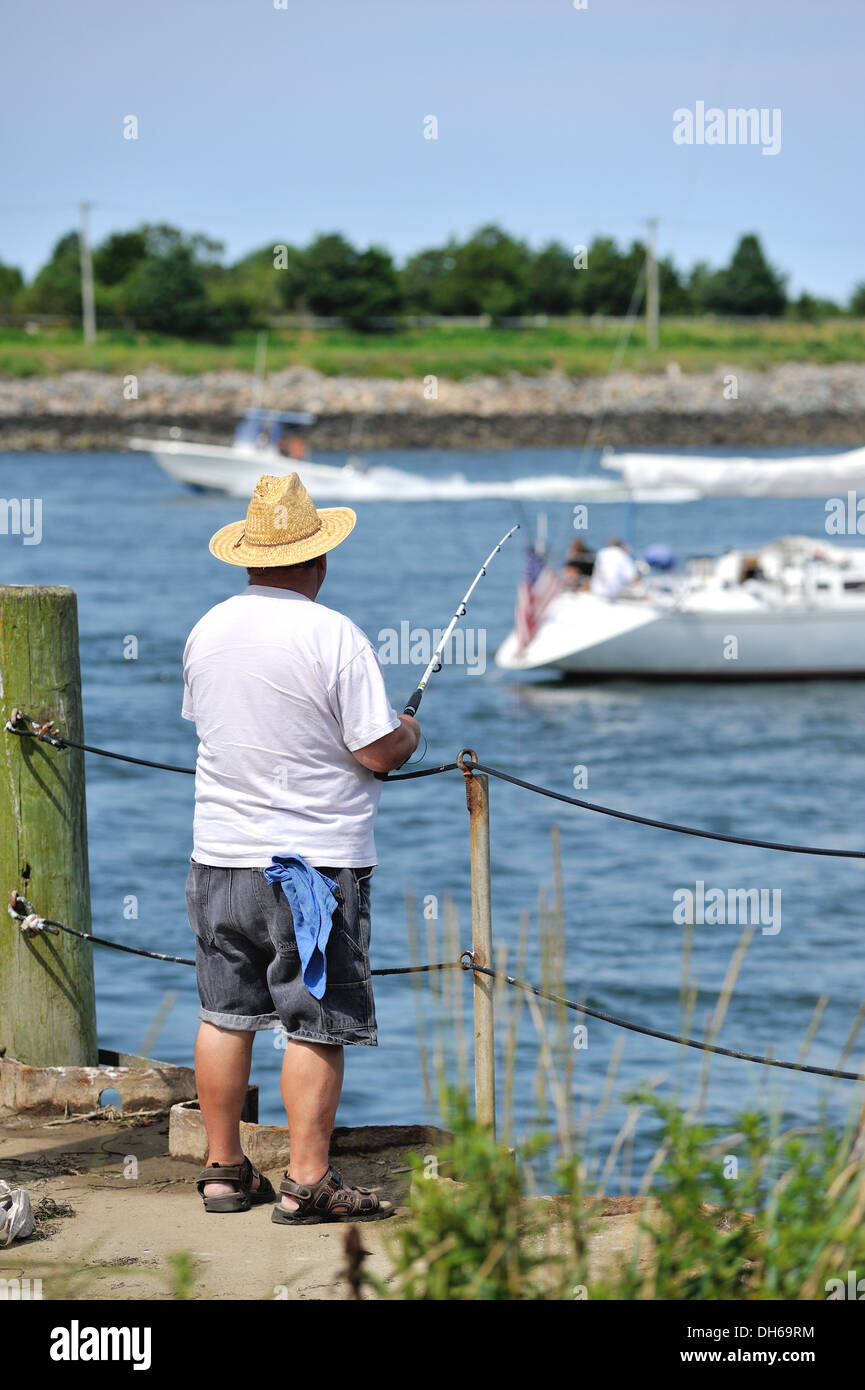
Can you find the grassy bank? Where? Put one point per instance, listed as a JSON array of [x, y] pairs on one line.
[[575, 347]]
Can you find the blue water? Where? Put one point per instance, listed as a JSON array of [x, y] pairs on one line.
[[776, 761]]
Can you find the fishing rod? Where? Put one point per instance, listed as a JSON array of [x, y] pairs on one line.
[[435, 663]]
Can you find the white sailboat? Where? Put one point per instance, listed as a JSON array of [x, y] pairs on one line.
[[793, 608], [801, 613]]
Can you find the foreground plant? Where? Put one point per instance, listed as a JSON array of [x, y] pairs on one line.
[[782, 1222], [475, 1233], [753, 1215]]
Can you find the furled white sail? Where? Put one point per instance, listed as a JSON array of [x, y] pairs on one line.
[[818, 475]]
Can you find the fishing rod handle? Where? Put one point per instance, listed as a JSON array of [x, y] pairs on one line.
[[409, 709]]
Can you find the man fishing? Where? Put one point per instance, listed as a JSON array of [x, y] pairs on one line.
[[293, 721]]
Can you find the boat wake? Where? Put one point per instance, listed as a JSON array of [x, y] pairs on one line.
[[815, 475], [384, 484], [236, 469]]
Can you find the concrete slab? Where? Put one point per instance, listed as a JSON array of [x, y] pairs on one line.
[[142, 1083], [132, 1207]]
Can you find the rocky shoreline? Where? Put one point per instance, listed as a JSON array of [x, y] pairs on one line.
[[790, 405]]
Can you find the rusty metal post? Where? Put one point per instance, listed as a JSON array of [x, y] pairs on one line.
[[478, 803]]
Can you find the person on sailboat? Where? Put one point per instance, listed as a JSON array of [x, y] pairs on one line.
[[614, 569], [578, 565], [750, 569]]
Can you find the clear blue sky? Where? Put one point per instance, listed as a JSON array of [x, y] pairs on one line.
[[260, 125]]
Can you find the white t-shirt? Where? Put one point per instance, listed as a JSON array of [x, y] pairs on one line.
[[614, 570], [281, 689]]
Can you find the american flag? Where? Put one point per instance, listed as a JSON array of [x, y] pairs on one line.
[[539, 587]]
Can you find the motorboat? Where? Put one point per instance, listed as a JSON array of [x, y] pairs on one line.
[[265, 441]]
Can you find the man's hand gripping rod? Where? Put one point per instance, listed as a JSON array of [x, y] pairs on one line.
[[435, 664]]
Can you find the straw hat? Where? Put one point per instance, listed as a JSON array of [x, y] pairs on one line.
[[282, 527]]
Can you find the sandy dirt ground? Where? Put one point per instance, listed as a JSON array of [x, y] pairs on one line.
[[122, 1207]]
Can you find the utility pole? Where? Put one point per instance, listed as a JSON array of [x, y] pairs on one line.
[[88, 306], [258, 369], [652, 297]]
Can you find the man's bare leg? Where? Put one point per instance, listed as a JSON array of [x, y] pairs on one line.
[[222, 1060], [311, 1086]]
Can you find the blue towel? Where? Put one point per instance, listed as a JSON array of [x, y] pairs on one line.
[[312, 902]]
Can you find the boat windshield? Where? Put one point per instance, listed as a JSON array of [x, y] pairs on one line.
[[265, 428]]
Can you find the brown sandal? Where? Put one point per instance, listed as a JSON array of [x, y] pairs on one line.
[[243, 1174], [330, 1199]]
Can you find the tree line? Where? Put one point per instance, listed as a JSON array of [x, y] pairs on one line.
[[157, 278]]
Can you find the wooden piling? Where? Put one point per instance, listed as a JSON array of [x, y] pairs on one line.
[[47, 1004]]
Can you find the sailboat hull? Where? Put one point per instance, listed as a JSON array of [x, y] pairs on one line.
[[594, 637]]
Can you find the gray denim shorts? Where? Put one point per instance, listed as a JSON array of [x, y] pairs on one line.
[[248, 965]]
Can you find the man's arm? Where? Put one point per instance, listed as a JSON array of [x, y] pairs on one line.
[[390, 752]]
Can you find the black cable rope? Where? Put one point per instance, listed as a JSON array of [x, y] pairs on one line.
[[469, 964], [422, 772], [115, 945], [47, 734], [418, 969], [656, 1033], [184, 960], [58, 741], [663, 824], [120, 758]]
